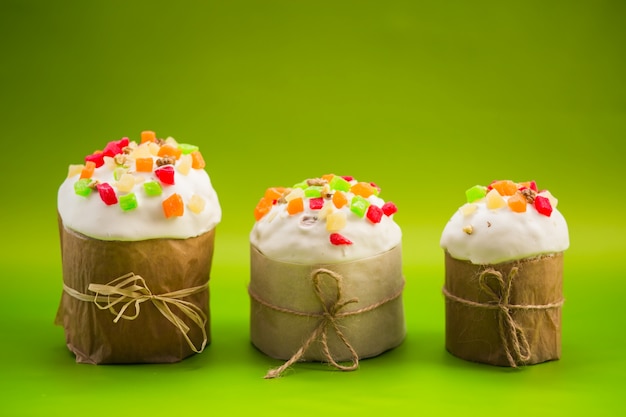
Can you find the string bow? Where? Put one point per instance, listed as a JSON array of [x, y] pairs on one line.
[[512, 335], [131, 290], [329, 318]]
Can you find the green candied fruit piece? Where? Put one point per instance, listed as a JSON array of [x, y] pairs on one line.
[[339, 184], [313, 191], [128, 202], [302, 185], [475, 193], [82, 187], [187, 148], [359, 205], [152, 188]]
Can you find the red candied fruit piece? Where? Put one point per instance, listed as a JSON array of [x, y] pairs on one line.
[[389, 208], [165, 174], [543, 206], [374, 213], [347, 177], [316, 203], [107, 193], [529, 184], [338, 239], [97, 158]]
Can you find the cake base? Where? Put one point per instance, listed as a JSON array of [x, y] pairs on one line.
[[364, 298], [166, 266], [506, 314]]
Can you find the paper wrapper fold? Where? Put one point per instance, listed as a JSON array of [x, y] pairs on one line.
[[168, 266], [506, 314], [366, 301]]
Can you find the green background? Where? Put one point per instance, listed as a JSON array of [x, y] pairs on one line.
[[425, 98]]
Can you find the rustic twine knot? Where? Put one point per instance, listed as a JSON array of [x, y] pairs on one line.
[[130, 290], [512, 335], [328, 320]]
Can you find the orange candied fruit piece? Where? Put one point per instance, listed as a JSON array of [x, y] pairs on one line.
[[504, 187], [197, 161], [295, 205], [144, 164], [517, 203], [173, 206], [88, 170], [274, 193], [328, 177], [339, 199], [363, 189], [263, 207], [148, 136], [169, 150]]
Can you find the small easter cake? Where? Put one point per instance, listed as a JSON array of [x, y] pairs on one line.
[[504, 275], [137, 226], [326, 273]]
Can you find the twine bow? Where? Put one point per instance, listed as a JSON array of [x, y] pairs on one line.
[[328, 319], [131, 290], [512, 335]]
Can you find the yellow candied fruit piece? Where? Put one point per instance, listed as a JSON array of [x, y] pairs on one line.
[[171, 141], [125, 183], [109, 162], [494, 200], [184, 164], [74, 169], [295, 193], [326, 210], [468, 209], [154, 148], [336, 221], [196, 203], [142, 151], [547, 194]]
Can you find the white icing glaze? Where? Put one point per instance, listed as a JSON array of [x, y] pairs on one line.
[[92, 217], [288, 238], [500, 235]]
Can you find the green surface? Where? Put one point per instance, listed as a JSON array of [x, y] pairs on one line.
[[424, 98]]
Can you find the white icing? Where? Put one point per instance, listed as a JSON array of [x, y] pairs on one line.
[[502, 235], [92, 217], [287, 238]]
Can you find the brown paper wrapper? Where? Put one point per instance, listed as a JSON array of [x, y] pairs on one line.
[[488, 324], [289, 287], [166, 265]]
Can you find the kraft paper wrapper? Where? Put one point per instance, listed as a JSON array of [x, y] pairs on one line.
[[472, 333], [165, 264], [287, 285]]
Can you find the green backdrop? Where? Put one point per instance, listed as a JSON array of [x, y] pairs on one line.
[[425, 98]]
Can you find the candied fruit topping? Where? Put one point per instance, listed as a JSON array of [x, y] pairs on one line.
[[196, 204], [543, 206], [338, 239], [173, 206], [316, 203], [165, 174], [295, 205], [475, 193], [107, 193], [331, 200], [128, 202], [518, 197], [389, 208], [83, 187], [495, 200], [152, 162], [152, 188], [374, 213]]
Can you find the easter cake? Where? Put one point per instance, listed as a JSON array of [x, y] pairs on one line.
[[503, 275], [137, 223], [326, 273]]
